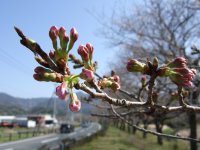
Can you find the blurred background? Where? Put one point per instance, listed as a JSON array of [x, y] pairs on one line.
[[118, 30]]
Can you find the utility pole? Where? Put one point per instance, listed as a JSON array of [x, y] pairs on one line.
[[54, 103], [54, 108]]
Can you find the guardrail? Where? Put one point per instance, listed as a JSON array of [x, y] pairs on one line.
[[67, 143]]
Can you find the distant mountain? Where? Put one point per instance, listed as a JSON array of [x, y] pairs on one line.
[[13, 105]]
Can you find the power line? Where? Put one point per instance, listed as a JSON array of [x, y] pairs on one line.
[[15, 67], [12, 62], [12, 58]]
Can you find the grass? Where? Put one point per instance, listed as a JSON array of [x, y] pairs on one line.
[[116, 139]]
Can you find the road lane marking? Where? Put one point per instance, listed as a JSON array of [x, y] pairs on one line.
[[9, 149], [50, 140]]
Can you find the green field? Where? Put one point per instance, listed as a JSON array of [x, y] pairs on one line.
[[116, 139]]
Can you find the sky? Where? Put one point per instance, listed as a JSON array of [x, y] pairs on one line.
[[35, 19]]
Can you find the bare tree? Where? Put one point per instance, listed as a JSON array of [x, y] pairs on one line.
[[165, 29], [54, 67]]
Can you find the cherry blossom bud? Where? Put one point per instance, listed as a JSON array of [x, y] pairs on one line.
[[63, 38], [72, 56], [115, 86], [38, 77], [53, 34], [143, 80], [105, 83], [179, 62], [109, 83], [52, 54], [40, 70], [61, 32], [115, 78], [182, 76], [75, 104], [175, 95], [41, 61], [61, 91], [90, 50], [87, 75], [73, 38], [83, 52], [135, 66], [47, 75]]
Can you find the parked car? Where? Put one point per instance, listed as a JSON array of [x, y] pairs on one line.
[[66, 128], [8, 124]]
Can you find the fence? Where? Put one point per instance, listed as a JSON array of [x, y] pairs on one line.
[[6, 137]]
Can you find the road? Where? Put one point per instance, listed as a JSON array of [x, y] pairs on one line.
[[52, 140]]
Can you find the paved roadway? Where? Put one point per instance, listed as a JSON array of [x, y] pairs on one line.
[[52, 140]]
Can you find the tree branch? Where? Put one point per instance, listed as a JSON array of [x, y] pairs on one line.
[[153, 132]]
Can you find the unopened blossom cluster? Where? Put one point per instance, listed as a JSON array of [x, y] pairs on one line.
[[60, 55], [177, 70], [112, 82], [54, 67]]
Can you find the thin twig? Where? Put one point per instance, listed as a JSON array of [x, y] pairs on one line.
[[130, 104], [121, 90], [181, 101], [153, 132], [36, 49]]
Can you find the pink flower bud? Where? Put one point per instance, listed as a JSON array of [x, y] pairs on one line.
[[52, 54], [72, 56], [179, 62], [38, 77], [61, 32], [143, 80], [73, 35], [116, 78], [53, 33], [63, 38], [73, 38], [87, 74], [75, 104], [40, 70], [90, 50], [182, 76], [61, 91], [83, 52]]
